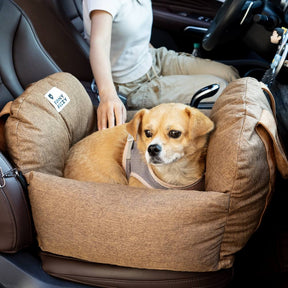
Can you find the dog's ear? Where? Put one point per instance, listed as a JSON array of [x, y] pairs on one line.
[[134, 124], [199, 124]]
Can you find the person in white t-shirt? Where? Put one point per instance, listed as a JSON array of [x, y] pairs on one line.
[[123, 62]]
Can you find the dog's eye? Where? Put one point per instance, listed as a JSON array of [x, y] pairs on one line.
[[174, 134], [148, 133]]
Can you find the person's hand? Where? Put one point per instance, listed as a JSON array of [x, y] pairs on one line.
[[111, 111]]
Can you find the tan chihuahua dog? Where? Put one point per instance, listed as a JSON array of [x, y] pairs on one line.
[[169, 141]]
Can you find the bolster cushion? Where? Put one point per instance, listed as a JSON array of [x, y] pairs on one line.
[[50, 116]]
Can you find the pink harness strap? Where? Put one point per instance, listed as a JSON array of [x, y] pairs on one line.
[[135, 166]]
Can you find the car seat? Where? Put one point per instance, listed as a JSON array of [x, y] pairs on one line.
[[22, 57], [63, 37], [23, 61]]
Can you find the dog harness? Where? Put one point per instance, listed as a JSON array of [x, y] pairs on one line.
[[135, 166]]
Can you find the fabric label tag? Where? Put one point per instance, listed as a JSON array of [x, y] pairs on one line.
[[57, 98]]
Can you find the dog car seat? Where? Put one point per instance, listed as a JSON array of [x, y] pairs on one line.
[[62, 129], [168, 238]]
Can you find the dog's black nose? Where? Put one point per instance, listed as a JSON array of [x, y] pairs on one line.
[[154, 150]]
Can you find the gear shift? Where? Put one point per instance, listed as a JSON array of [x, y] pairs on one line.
[[205, 92]]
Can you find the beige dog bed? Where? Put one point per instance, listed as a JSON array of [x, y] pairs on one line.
[[143, 228]]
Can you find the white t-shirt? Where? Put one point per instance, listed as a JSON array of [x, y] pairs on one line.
[[131, 31]]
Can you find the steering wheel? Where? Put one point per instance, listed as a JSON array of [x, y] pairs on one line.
[[227, 22]]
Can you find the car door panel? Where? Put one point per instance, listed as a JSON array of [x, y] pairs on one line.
[[179, 14], [171, 19]]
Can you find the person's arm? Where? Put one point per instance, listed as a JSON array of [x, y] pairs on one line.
[[111, 110]]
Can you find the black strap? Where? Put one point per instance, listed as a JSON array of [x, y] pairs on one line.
[[8, 171]]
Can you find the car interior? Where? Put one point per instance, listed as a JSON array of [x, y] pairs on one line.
[[42, 38]]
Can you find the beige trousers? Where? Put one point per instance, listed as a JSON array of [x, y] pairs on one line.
[[175, 77]]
